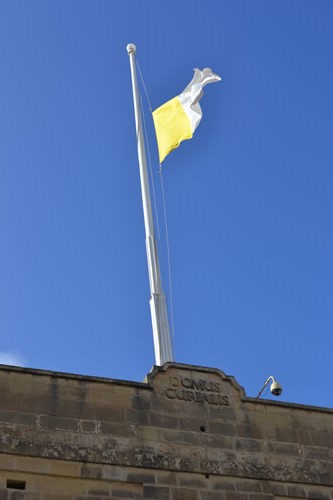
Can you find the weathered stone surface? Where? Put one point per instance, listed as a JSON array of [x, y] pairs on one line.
[[249, 486], [184, 494], [88, 426], [232, 495], [16, 417], [213, 495], [156, 492], [59, 423], [296, 491], [186, 433]]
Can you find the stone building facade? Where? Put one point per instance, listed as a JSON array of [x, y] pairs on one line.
[[185, 433]]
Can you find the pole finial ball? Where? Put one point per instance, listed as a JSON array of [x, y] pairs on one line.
[[131, 48]]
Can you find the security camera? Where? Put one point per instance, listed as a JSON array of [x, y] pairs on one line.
[[276, 388]]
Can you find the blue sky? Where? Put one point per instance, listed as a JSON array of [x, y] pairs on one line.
[[249, 198]]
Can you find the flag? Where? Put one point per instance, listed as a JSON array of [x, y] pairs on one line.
[[177, 119]]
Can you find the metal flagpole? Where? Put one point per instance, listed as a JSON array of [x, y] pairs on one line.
[[158, 308]]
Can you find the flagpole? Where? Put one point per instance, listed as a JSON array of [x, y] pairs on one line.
[[158, 307]]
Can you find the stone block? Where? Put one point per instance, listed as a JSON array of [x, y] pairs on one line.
[[116, 429], [192, 424], [249, 486], [267, 432], [287, 449], [304, 437], [91, 471], [192, 438], [138, 417], [223, 442], [302, 421], [156, 493], [88, 426], [318, 495], [141, 402], [161, 420], [232, 495], [61, 423], [60, 467], [7, 462], [248, 431], [28, 495], [17, 417], [182, 408], [89, 497], [21, 495], [166, 478], [317, 452], [148, 433], [225, 485], [184, 494], [296, 491], [126, 494], [248, 444], [222, 413], [56, 496], [213, 495], [275, 488], [141, 478], [222, 428], [115, 473], [170, 407], [286, 435], [109, 414], [260, 496], [270, 419], [192, 482], [99, 492], [8, 398], [322, 439]]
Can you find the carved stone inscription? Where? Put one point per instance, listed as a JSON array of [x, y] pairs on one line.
[[196, 390]]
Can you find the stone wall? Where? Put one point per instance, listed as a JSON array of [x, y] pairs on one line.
[[186, 433]]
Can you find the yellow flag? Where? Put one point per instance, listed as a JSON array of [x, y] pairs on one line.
[[177, 119]]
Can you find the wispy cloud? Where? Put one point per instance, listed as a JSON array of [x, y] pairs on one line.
[[11, 358]]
